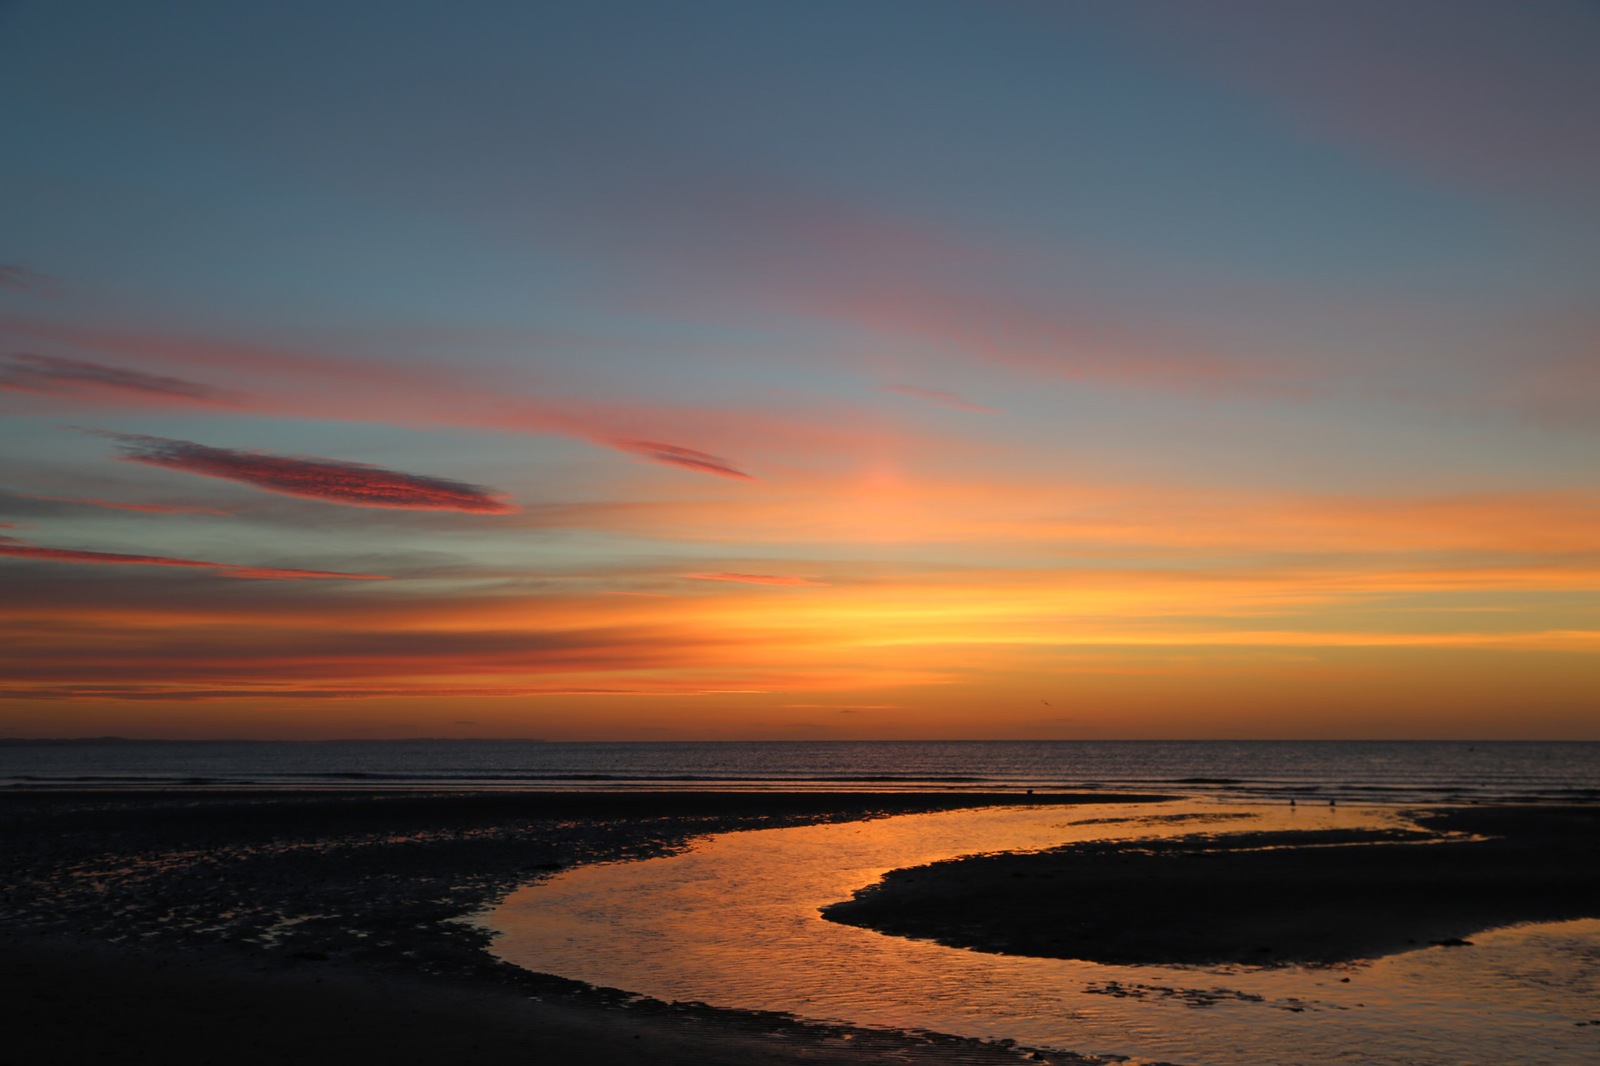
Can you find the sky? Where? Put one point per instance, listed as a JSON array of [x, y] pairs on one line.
[[866, 369]]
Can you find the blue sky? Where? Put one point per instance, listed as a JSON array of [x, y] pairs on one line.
[[1099, 336]]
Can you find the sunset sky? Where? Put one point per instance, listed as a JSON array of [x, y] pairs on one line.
[[875, 368]]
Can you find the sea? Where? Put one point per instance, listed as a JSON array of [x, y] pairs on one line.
[[1310, 771]]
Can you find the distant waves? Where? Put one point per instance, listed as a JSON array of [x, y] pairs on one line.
[[1305, 771]]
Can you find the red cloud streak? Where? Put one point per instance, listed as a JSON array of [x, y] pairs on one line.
[[674, 455], [413, 395], [72, 555], [355, 484]]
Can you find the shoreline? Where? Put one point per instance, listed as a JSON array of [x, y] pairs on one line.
[[191, 925], [1258, 898]]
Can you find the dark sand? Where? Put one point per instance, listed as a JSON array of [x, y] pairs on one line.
[[254, 927], [1261, 898]]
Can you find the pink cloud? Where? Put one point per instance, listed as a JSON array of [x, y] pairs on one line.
[[8, 546], [354, 484], [284, 381], [988, 303], [991, 327]]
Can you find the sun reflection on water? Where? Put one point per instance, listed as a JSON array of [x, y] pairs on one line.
[[734, 923]]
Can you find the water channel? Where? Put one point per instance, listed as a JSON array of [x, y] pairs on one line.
[[734, 922]]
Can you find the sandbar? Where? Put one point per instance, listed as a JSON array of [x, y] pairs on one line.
[[1262, 898]]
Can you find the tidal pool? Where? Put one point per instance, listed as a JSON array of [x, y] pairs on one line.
[[734, 922]]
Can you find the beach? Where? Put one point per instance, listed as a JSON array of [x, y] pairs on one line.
[[324, 926], [246, 926]]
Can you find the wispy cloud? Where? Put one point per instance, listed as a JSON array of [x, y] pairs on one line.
[[10, 546], [678, 456], [355, 484], [23, 372], [941, 396], [275, 380], [1019, 328], [760, 579], [407, 663], [187, 694], [996, 305], [124, 505], [21, 279]]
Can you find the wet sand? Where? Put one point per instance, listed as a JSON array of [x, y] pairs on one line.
[[319, 927], [1255, 898]]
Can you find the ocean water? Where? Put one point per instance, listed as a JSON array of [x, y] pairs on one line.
[[1368, 771]]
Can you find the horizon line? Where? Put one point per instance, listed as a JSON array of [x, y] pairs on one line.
[[115, 739]]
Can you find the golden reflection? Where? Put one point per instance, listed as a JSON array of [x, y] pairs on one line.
[[735, 923]]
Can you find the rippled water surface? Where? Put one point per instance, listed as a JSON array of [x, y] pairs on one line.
[[734, 922], [1351, 771]]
